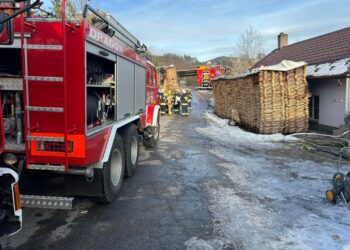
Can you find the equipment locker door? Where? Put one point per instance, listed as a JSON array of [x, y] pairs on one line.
[[140, 89], [125, 88]]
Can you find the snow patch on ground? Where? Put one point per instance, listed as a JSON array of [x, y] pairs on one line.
[[198, 244], [152, 162], [63, 231], [219, 129], [347, 246], [281, 206], [274, 199], [212, 102], [174, 191]]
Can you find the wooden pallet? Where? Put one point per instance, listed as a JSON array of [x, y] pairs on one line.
[[267, 102]]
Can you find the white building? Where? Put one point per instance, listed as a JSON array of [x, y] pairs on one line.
[[328, 73]]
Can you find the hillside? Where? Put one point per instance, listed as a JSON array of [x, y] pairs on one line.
[[233, 65], [227, 62], [180, 62]]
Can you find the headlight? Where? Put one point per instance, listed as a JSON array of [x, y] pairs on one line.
[[10, 159]]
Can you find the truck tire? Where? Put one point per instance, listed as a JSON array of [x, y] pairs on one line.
[[131, 147], [113, 171], [153, 132]]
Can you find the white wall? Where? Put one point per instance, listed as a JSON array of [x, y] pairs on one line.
[[333, 100]]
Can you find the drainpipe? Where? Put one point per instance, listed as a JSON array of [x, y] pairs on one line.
[[347, 89], [347, 95]]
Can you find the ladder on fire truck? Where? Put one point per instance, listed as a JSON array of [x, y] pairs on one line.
[[29, 79], [118, 30]]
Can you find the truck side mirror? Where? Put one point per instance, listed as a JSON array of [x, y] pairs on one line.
[[6, 30]]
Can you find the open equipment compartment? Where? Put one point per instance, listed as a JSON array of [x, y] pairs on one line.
[[12, 98], [115, 88], [10, 62], [100, 91], [116, 75]]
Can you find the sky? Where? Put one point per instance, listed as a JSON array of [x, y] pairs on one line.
[[210, 28]]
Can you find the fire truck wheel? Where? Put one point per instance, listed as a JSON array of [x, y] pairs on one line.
[[154, 132], [113, 171], [131, 147]]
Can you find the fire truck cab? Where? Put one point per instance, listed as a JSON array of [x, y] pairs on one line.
[[205, 74], [77, 96]]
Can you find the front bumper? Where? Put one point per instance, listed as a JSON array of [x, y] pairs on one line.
[[10, 205]]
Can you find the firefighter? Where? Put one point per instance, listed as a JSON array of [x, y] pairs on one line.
[[189, 96], [177, 101], [184, 103], [163, 102], [170, 102]]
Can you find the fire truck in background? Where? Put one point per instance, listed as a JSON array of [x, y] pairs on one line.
[[205, 74], [76, 97]]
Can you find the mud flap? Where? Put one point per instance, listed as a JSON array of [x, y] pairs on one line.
[[76, 185]]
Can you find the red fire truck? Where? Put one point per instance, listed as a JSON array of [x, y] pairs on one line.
[[76, 98], [205, 74]]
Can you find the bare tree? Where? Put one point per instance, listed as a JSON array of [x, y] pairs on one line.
[[251, 47], [73, 7], [71, 10], [80, 4]]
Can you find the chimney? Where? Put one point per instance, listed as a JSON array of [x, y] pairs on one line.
[[282, 40]]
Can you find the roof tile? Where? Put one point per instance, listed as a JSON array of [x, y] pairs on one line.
[[325, 48]]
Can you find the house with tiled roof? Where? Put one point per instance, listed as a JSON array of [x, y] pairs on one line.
[[328, 73]]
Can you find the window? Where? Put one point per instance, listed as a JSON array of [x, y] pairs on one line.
[[148, 75], [314, 107], [151, 79], [310, 107], [154, 77]]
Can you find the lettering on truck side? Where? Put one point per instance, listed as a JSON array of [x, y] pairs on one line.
[[111, 43]]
